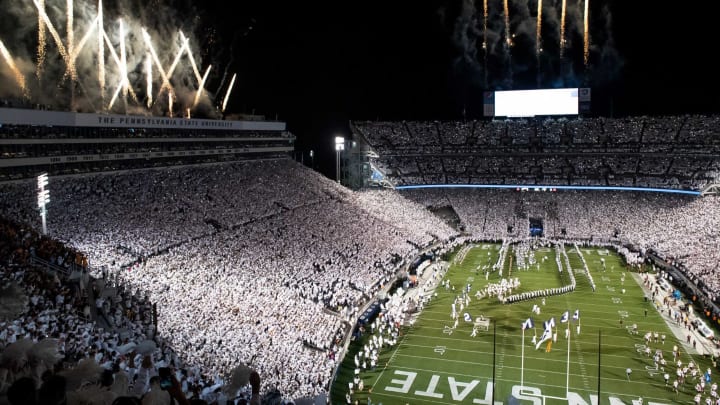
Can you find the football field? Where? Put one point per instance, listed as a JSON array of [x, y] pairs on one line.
[[434, 362]]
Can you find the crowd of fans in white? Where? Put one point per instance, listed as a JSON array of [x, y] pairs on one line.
[[682, 229], [652, 134], [262, 262], [672, 151], [254, 262]]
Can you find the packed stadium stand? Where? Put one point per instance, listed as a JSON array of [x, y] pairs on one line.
[[672, 151], [236, 260], [32, 141]]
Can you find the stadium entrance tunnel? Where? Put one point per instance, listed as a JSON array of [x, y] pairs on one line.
[[536, 227]]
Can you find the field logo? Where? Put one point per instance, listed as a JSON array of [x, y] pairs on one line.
[[437, 388]]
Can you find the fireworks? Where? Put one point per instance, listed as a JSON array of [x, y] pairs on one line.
[[227, 95], [19, 78], [149, 82], [53, 32], [538, 37], [485, 18], [158, 65], [485, 47], [175, 63], [562, 27], [70, 40], [101, 52], [506, 10], [75, 47], [586, 34], [190, 56], [41, 41], [202, 84], [121, 61], [170, 104], [80, 45]]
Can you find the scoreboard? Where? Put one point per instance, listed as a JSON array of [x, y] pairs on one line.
[[531, 103]]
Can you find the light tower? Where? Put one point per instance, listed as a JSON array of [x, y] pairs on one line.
[[43, 199], [339, 147]]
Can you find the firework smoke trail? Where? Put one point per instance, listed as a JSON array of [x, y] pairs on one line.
[[538, 40], [227, 95], [76, 49], [485, 45], [508, 42], [165, 80], [185, 46], [170, 103], [71, 40], [190, 56], [51, 29], [586, 36], [562, 27], [506, 10], [167, 75], [42, 43], [124, 84], [148, 72], [19, 78], [485, 18], [119, 64], [115, 96], [538, 37], [202, 85], [123, 61], [101, 53], [80, 45]]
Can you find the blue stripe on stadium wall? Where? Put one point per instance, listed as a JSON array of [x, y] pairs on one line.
[[547, 188]]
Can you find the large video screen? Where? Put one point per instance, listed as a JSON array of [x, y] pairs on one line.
[[529, 103]]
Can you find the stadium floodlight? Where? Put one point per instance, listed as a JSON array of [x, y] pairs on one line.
[[43, 199], [339, 147]]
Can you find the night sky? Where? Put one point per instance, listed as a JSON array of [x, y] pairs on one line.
[[318, 65]]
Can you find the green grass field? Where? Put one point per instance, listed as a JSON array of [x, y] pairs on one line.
[[434, 364]]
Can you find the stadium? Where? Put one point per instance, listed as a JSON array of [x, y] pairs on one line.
[[158, 246]]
